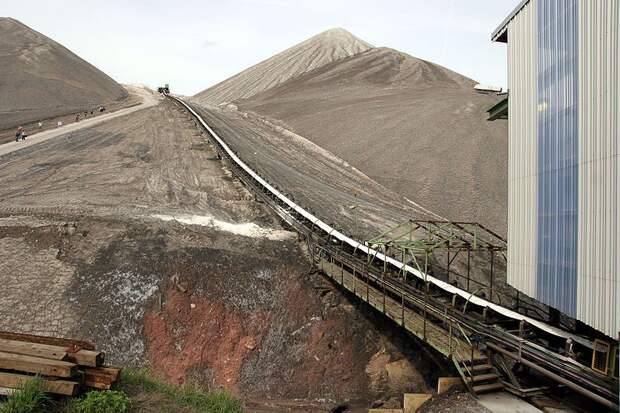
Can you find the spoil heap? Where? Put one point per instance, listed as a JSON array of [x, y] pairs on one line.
[[40, 78], [324, 48], [414, 126]]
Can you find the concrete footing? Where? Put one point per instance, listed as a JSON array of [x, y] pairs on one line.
[[385, 411], [413, 401], [446, 383]]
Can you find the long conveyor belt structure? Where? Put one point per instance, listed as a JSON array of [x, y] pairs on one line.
[[442, 315]]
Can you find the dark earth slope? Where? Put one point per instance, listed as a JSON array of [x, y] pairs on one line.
[[40, 78], [411, 125]]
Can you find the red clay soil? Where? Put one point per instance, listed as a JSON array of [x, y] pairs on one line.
[[181, 338], [194, 333], [307, 345]]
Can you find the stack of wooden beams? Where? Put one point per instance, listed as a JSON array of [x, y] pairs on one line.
[[66, 366]]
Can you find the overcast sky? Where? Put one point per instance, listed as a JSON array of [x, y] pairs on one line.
[[194, 44]]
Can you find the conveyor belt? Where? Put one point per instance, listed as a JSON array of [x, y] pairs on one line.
[[603, 387]]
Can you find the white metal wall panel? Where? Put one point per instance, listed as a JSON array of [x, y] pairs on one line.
[[598, 282], [522, 150], [558, 153]]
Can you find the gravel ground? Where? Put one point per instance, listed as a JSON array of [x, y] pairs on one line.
[[453, 402], [130, 166], [320, 181]]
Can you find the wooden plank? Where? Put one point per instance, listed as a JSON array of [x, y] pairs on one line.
[[113, 372], [52, 341], [99, 383], [101, 377], [97, 380], [86, 358], [16, 381], [33, 349], [82, 357], [46, 367]]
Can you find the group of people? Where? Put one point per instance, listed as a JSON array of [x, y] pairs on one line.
[[20, 134], [77, 116]]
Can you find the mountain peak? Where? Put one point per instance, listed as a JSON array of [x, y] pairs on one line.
[[14, 22], [8, 22], [339, 36], [319, 50], [336, 31]]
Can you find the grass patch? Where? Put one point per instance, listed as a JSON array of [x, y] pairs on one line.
[[136, 391], [30, 398], [108, 401], [188, 395]]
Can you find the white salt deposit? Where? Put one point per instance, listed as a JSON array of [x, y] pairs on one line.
[[247, 229]]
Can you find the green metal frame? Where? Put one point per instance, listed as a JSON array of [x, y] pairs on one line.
[[427, 236], [499, 110], [415, 240]]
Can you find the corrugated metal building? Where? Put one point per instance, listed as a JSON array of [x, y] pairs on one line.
[[564, 166]]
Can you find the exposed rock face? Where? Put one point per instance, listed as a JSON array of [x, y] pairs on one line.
[[326, 47], [40, 78]]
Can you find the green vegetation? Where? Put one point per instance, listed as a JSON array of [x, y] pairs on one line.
[[108, 401], [188, 395], [136, 391], [29, 399]]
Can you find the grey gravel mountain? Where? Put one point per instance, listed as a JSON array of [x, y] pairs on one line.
[[40, 78]]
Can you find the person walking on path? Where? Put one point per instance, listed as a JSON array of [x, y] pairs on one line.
[[19, 134]]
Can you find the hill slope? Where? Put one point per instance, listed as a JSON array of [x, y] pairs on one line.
[[315, 52], [413, 126], [40, 78]]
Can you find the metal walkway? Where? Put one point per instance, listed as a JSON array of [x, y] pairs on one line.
[[438, 313]]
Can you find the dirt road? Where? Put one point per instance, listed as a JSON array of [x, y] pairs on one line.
[[148, 97]]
